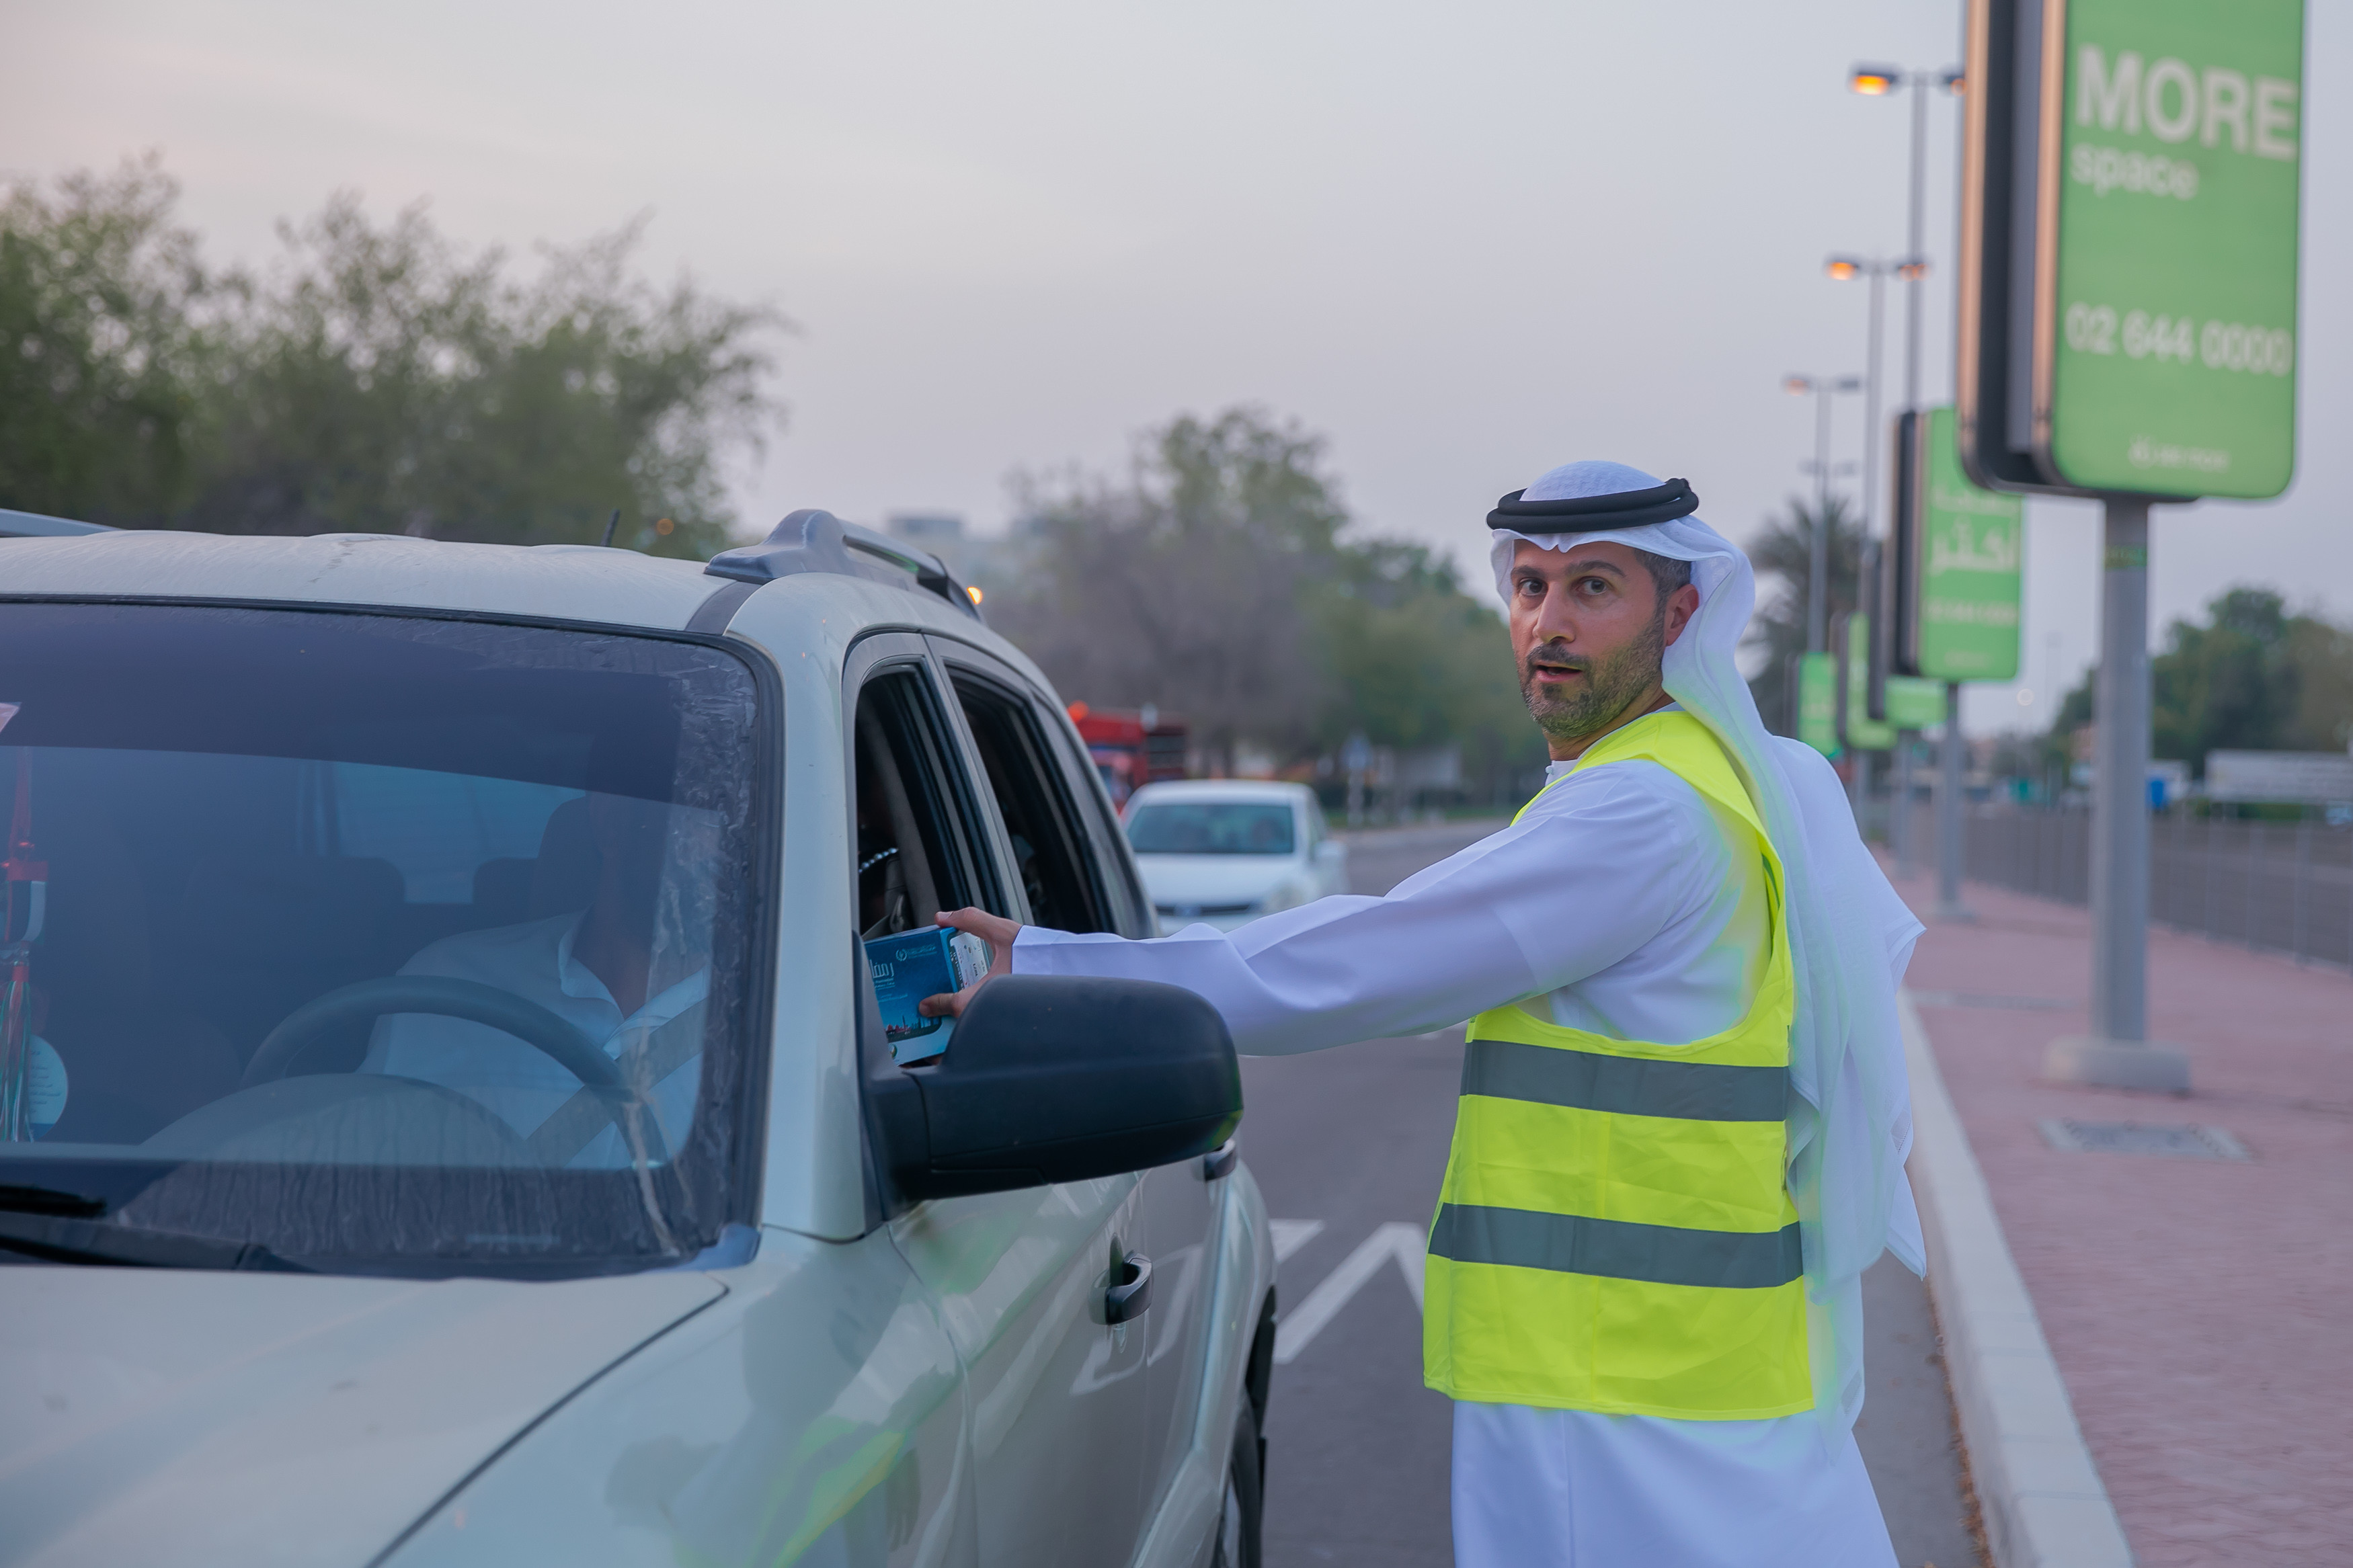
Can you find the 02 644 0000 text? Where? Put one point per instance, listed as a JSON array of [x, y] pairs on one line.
[[2218, 345]]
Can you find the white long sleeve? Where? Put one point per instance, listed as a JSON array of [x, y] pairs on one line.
[[1613, 893]]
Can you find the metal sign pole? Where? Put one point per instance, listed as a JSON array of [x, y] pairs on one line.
[[2118, 1053], [1899, 807], [1818, 550], [2119, 799], [1948, 814]]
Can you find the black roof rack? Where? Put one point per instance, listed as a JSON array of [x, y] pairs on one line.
[[814, 540], [34, 525]]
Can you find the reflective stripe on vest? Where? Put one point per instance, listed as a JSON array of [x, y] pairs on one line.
[[1615, 1233]]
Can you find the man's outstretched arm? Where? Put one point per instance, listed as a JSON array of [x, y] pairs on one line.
[[1602, 864]]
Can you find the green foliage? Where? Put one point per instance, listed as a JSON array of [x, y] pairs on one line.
[[2230, 684], [1217, 583], [375, 379], [1413, 661], [1776, 633], [2253, 678], [99, 358]]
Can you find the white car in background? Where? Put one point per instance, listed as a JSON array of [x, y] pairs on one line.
[[1226, 851]]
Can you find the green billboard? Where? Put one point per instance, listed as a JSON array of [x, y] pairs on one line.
[[2165, 291], [1913, 704], [1967, 550], [1864, 733], [1818, 703]]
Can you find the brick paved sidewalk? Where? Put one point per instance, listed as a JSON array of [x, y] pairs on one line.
[[2201, 1311]]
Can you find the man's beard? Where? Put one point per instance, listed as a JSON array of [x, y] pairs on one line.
[[1611, 686]]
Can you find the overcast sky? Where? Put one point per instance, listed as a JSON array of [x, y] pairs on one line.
[[1465, 243]]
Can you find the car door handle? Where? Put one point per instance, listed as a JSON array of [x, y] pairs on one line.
[[1130, 1295], [1221, 1160]]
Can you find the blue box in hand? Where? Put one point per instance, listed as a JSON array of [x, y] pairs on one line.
[[914, 965]]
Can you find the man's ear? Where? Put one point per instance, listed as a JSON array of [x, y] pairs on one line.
[[1682, 606]]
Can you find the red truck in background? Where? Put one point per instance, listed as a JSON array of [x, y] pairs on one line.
[[1131, 747]]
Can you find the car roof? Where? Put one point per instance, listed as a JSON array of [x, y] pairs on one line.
[[563, 582], [39, 525], [1223, 789], [578, 582]]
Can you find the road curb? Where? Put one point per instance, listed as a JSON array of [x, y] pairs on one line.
[[2043, 1501]]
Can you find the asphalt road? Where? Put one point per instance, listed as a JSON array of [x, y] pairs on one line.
[[1347, 1142]]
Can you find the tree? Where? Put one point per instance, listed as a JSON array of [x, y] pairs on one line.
[[1217, 582], [98, 347], [1182, 587], [2253, 678], [377, 378], [1784, 550], [1411, 660]]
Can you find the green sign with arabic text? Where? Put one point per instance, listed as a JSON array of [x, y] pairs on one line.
[[1864, 733], [1972, 545], [1818, 703], [1913, 704]]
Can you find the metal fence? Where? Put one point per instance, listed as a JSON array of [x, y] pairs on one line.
[[2280, 887]]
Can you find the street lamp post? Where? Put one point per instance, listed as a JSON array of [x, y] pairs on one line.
[[1879, 81], [1817, 546], [1878, 270]]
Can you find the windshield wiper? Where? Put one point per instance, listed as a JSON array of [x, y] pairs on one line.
[[61, 1238], [17, 1199]]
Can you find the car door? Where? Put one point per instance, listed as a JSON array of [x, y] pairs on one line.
[[1070, 875], [1056, 1394]]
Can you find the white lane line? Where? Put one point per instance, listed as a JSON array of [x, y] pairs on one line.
[[1395, 1240], [1290, 1234]]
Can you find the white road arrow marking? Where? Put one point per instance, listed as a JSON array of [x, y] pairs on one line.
[[1290, 1234], [1395, 1240]]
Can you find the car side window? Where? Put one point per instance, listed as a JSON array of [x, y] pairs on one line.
[[916, 839], [1058, 873]]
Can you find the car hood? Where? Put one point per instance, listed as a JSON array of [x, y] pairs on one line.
[[1213, 879], [185, 1418]]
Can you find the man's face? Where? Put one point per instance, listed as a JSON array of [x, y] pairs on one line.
[[1589, 629]]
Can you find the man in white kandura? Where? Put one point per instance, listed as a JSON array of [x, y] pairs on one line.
[[1684, 1114]]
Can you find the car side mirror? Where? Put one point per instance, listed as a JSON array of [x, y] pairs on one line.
[[1058, 1079]]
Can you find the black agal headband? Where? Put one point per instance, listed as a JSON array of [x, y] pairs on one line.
[[1592, 515]]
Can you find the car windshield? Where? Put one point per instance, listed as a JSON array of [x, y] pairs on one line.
[[1211, 828], [382, 943]]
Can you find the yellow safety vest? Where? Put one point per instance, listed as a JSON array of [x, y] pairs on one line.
[[1615, 1233]]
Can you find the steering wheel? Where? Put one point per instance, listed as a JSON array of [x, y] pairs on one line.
[[529, 1022]]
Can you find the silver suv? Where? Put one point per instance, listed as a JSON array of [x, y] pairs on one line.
[[446, 1113]]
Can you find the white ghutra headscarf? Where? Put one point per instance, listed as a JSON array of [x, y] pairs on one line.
[[1849, 938]]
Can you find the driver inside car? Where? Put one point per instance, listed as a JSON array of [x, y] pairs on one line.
[[617, 971]]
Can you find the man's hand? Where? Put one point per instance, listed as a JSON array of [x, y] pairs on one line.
[[994, 930]]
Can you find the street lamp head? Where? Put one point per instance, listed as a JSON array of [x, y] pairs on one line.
[[1798, 385], [1847, 383], [1953, 79], [1875, 81], [1844, 268], [1911, 268]]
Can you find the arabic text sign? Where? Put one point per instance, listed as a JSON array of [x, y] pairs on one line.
[[1818, 703], [1864, 733], [1972, 545], [2172, 146], [1912, 703], [2314, 776]]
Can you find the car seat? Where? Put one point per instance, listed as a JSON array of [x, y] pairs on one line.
[[135, 1058]]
